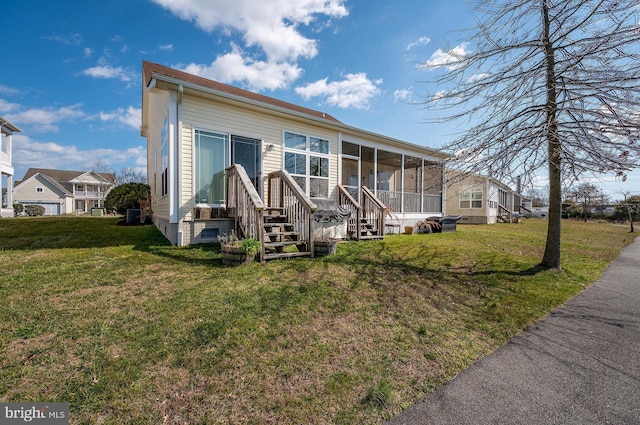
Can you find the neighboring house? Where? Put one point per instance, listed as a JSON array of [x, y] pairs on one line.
[[199, 132], [63, 192], [6, 166], [483, 200]]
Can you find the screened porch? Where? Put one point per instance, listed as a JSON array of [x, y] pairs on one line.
[[402, 182]]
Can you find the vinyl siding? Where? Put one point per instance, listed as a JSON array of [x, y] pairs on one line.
[[204, 114], [158, 107]]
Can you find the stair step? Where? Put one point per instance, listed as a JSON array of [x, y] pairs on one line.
[[369, 237], [281, 243], [279, 255], [281, 233]]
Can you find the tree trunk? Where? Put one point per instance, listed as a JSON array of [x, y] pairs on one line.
[[551, 257]]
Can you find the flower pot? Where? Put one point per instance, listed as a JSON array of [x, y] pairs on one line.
[[324, 248], [235, 255], [408, 230]]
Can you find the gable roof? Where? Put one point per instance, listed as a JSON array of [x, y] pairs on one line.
[[7, 125], [150, 69], [67, 191], [153, 74], [63, 176]]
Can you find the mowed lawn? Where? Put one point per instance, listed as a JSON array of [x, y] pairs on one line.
[[129, 330]]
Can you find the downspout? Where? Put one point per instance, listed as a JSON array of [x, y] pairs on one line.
[[178, 191]]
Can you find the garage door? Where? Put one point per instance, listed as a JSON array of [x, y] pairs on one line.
[[50, 208]]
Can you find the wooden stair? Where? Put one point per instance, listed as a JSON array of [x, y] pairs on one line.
[[369, 230], [280, 239]]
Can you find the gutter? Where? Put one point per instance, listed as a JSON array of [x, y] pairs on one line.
[[333, 124]]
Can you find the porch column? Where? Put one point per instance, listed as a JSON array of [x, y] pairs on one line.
[[402, 183], [9, 191]]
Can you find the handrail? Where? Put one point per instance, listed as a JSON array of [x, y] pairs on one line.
[[283, 192], [348, 202], [373, 209], [373, 197], [245, 205]]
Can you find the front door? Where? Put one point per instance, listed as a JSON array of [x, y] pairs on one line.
[[247, 152]]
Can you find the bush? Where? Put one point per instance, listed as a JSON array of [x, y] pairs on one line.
[[17, 209], [126, 196], [34, 210]]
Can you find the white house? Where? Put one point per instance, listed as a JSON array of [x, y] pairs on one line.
[[219, 156], [6, 166], [62, 191]]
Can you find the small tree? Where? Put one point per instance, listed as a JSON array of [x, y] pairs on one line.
[[586, 196], [17, 209], [126, 196], [629, 208]]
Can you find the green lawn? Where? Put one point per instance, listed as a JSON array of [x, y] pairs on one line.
[[129, 330]]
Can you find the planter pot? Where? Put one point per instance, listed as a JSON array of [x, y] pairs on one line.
[[324, 248], [408, 230], [235, 256]]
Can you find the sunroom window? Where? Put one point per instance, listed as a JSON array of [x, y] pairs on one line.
[[306, 158], [211, 159]]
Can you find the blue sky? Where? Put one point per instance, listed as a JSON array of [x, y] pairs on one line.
[[71, 74]]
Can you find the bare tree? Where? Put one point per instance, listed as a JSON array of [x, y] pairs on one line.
[[130, 175], [545, 84], [102, 167], [631, 207], [539, 197], [586, 195]]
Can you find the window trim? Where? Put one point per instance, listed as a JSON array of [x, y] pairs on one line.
[[308, 154], [467, 195], [227, 136]]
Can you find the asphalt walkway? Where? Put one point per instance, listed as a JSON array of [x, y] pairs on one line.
[[578, 365]]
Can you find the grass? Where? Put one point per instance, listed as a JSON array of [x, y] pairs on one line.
[[129, 330]]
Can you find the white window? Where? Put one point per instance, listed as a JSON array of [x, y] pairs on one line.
[[471, 198], [211, 159], [39, 189], [306, 158]]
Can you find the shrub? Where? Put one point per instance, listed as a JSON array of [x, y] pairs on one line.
[[34, 210], [126, 196], [17, 209]]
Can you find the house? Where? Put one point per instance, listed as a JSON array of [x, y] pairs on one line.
[[221, 158], [6, 166], [62, 191], [480, 199]]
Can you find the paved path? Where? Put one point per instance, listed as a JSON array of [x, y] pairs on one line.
[[578, 365]]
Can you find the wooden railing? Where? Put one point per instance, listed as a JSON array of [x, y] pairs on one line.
[[245, 206], [283, 192], [348, 202], [373, 211], [503, 211]]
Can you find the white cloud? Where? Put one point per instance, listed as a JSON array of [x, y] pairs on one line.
[[419, 42], [47, 119], [403, 95], [87, 52], [439, 95], [108, 71], [355, 91], [130, 117], [73, 39], [28, 152], [7, 106], [271, 27], [166, 47], [447, 59], [257, 75]]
